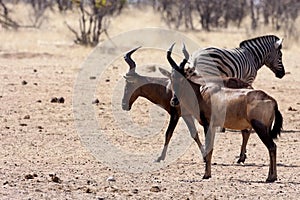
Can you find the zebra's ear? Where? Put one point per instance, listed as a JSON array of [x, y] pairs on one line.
[[278, 44], [165, 72]]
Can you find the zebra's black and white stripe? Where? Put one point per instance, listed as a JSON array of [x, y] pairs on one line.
[[242, 62]]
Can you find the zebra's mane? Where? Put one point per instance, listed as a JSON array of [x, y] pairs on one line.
[[262, 39]]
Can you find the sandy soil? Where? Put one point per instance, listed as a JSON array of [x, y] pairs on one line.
[[43, 157]]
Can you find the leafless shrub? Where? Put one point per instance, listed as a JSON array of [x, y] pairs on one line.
[[93, 20], [5, 20]]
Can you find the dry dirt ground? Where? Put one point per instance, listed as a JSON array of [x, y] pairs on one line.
[[42, 155]]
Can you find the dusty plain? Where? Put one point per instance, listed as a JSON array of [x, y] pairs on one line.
[[43, 157]]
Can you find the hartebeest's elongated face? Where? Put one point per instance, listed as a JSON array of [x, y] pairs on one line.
[[132, 80], [177, 77]]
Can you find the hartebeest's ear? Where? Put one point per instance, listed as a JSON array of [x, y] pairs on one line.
[[278, 44], [165, 72]]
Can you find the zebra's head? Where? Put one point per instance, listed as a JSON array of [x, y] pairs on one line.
[[267, 51], [273, 59]]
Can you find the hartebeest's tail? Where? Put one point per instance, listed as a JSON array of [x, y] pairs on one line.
[[277, 124]]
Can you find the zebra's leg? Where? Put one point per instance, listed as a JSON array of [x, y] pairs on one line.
[[245, 135]]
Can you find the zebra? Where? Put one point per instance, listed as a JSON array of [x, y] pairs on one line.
[[242, 62]]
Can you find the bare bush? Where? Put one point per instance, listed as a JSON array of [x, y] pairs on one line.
[[5, 20], [93, 20]]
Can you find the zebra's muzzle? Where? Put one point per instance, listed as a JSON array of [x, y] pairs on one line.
[[280, 74]]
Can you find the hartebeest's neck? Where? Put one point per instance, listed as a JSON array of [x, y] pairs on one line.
[[155, 90]]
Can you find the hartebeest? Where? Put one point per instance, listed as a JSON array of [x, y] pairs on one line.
[[237, 109], [155, 90]]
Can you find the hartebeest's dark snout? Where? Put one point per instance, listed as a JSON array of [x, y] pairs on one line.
[[174, 102], [125, 106]]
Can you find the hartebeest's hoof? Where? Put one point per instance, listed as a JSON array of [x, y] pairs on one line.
[[271, 179], [206, 177], [158, 160], [242, 159]]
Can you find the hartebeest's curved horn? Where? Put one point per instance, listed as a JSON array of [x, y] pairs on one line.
[[185, 52], [170, 59], [185, 59], [129, 60]]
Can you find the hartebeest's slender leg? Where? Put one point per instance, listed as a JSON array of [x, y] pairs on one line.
[[174, 117], [246, 135], [263, 133], [188, 119]]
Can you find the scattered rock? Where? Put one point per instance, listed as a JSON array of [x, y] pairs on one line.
[[96, 101], [287, 72], [92, 77], [57, 100], [61, 100], [135, 191], [26, 117], [88, 190], [292, 109], [111, 179], [23, 124], [34, 70], [5, 183], [39, 101], [35, 84], [55, 179], [273, 88], [107, 80], [24, 82], [155, 189], [54, 100], [29, 176]]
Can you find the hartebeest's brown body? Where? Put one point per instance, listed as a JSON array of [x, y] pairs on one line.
[[155, 90], [237, 109]]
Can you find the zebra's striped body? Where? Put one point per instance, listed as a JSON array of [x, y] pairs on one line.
[[242, 62]]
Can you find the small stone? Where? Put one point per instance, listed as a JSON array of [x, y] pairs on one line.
[[55, 179], [5, 183], [96, 101], [292, 109], [88, 190], [107, 80], [111, 179], [24, 82], [39, 101], [29, 176], [273, 88], [61, 100], [92, 77], [155, 189], [34, 70], [23, 124], [40, 127], [35, 84], [135, 191], [27, 117], [54, 100]]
